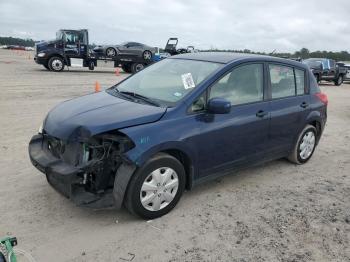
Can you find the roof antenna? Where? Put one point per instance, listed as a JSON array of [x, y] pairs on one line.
[[273, 52]]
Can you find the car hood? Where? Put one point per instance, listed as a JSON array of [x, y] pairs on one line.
[[80, 118]]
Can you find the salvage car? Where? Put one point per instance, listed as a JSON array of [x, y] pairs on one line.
[[184, 120], [127, 48]]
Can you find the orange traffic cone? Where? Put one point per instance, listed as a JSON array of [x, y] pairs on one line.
[[97, 87], [117, 73]]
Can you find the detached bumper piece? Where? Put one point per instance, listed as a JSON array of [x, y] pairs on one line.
[[64, 177]]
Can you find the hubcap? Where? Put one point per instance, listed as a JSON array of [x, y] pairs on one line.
[[56, 64], [159, 189], [110, 52], [147, 55], [307, 145]]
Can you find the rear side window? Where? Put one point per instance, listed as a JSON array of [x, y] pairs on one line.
[[244, 84], [282, 81], [300, 81]]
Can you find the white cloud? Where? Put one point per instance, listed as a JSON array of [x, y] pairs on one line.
[[260, 25]]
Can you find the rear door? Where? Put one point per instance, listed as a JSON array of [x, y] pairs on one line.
[[289, 106]]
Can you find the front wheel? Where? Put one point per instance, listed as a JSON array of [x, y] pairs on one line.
[[156, 187], [56, 64], [339, 81], [305, 146], [147, 55]]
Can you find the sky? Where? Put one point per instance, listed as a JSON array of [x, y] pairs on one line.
[[258, 25]]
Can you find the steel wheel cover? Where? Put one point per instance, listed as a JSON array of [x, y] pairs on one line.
[[159, 189], [307, 145], [147, 55], [57, 64]]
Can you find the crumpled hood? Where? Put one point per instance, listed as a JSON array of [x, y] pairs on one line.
[[83, 117]]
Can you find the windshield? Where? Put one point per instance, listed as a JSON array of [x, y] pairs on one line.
[[313, 63], [59, 35], [169, 80]]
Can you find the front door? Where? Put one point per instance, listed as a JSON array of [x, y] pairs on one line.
[[233, 139]]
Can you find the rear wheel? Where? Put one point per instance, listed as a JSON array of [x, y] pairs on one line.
[[56, 64], [305, 146], [318, 79], [339, 81], [111, 52], [156, 187], [136, 67], [91, 65]]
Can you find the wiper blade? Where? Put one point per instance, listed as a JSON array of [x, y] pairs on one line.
[[140, 97]]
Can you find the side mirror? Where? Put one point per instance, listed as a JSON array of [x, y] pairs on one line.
[[219, 105]]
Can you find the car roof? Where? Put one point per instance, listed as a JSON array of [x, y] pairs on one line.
[[228, 57]]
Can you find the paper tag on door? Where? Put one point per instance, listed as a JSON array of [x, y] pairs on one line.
[[187, 81]]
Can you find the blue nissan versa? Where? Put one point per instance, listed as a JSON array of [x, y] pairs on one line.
[[179, 122]]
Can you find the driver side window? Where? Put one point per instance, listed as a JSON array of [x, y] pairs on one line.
[[244, 84]]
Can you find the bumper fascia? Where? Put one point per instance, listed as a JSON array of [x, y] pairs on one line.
[[66, 178]]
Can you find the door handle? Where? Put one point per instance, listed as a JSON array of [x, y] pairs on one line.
[[304, 105], [261, 113]]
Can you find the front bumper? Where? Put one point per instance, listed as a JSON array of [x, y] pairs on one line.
[[40, 60], [67, 179]]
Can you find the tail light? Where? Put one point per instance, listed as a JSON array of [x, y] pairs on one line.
[[323, 98]]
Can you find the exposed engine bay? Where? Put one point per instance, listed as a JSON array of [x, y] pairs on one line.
[[84, 171]]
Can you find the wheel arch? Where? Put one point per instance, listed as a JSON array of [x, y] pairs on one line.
[[176, 149]]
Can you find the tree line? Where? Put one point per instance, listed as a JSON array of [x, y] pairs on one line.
[[16, 41], [303, 53]]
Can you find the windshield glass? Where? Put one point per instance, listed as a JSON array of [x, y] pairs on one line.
[[313, 63], [169, 80], [59, 35]]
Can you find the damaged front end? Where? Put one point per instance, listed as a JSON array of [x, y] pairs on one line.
[[92, 172]]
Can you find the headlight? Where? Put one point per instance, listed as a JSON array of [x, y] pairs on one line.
[[41, 54], [40, 129]]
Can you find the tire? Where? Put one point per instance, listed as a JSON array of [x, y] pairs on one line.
[[310, 144], [111, 52], [47, 67], [158, 189], [318, 80], [91, 65], [339, 81], [56, 64], [147, 55], [136, 67], [126, 68]]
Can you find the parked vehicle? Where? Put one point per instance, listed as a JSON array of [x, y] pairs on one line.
[[127, 48], [171, 47], [347, 66], [179, 122], [326, 69], [74, 44]]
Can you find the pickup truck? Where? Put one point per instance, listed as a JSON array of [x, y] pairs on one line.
[[326, 69]]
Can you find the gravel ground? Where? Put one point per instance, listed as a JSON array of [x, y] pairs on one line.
[[273, 212]]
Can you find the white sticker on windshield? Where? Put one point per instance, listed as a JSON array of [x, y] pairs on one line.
[[187, 81]]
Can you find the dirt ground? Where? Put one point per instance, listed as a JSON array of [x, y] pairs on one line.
[[274, 212]]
